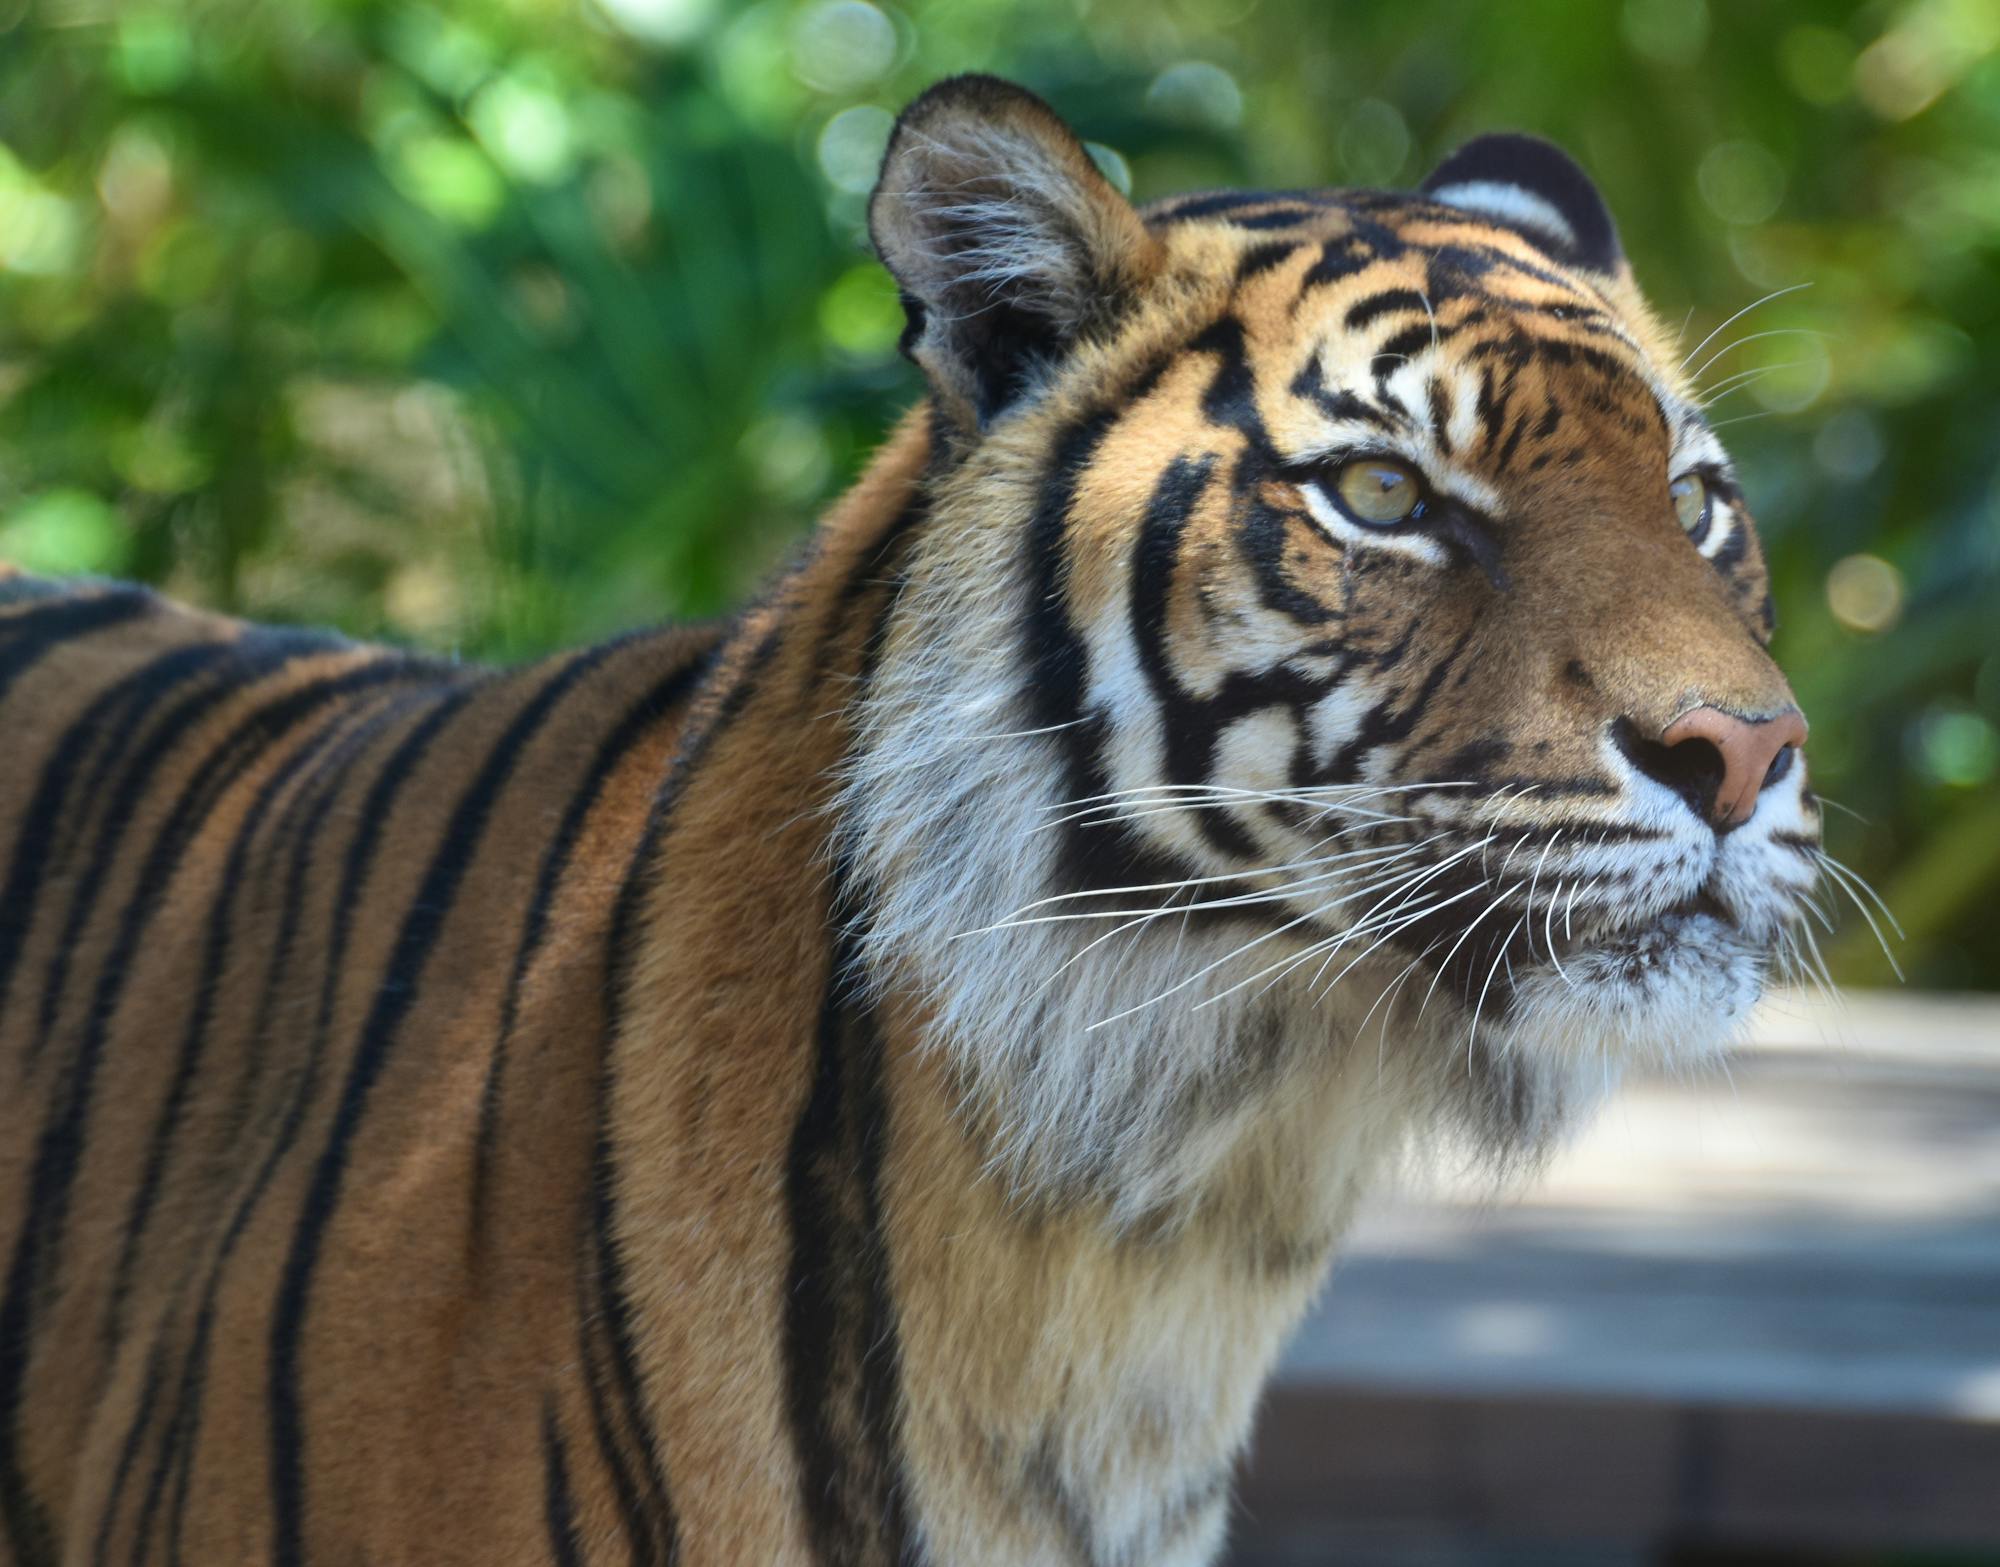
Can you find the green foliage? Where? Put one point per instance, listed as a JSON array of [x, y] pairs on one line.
[[495, 324]]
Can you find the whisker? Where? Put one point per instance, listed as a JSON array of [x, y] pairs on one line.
[[1752, 337], [1729, 386], [1854, 878], [1463, 938], [1024, 734], [1843, 878], [1363, 855], [1480, 1006], [1754, 304], [1549, 936]]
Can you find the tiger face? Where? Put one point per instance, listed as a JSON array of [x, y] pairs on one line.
[[1334, 623]]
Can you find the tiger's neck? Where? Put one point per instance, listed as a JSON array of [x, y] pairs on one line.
[[816, 1248]]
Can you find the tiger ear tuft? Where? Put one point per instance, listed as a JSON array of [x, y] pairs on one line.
[[1007, 242], [1535, 188]]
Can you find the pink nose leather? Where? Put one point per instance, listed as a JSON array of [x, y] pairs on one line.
[[1748, 746]]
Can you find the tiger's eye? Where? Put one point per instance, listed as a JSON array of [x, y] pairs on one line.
[[1690, 501], [1377, 491]]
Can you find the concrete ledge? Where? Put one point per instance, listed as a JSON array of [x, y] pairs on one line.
[[1352, 1476], [1759, 1311]]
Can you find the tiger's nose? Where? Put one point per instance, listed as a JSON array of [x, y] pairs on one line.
[[1719, 762]]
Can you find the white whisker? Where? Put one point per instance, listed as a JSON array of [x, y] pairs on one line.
[[1754, 304]]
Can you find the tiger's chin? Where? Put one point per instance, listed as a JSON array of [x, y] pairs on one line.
[[1669, 994]]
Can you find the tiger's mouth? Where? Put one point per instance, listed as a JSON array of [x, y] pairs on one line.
[[1698, 918], [1607, 956]]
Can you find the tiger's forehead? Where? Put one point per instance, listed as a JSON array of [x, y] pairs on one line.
[[1388, 315], [1451, 251]]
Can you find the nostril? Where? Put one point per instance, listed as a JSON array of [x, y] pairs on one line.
[[1781, 764], [1694, 768]]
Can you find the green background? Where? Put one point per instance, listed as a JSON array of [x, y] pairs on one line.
[[493, 325]]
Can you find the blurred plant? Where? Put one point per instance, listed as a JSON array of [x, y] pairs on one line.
[[495, 324]]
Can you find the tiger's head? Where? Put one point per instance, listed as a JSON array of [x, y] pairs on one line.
[[1331, 646]]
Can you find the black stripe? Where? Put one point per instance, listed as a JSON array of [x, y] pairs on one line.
[[416, 938], [1191, 725], [1310, 383], [1339, 258], [651, 709], [1279, 218], [1733, 549], [1231, 396], [1406, 344], [1388, 301], [1221, 202], [1506, 453], [128, 1451], [1259, 259], [30, 636], [624, 1437], [1381, 726], [1440, 410], [557, 1507], [842, 1360]]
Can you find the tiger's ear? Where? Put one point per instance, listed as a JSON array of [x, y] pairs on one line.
[[1535, 188], [1007, 242]]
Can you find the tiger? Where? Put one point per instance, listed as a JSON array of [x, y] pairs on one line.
[[876, 1080]]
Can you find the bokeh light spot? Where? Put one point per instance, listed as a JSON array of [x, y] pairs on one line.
[[1957, 747], [449, 176], [136, 179], [1865, 593], [1671, 32], [1112, 165], [1741, 181], [1374, 143], [64, 530], [665, 22], [154, 51], [789, 456], [851, 145], [860, 313], [1849, 446], [1197, 93], [842, 46], [525, 127], [1818, 63]]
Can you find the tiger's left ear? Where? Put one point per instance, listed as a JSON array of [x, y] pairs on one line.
[[1009, 246], [1537, 189]]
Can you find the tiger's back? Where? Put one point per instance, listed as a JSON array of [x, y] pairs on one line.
[[296, 937]]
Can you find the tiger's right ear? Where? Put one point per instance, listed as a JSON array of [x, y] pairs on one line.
[[1007, 242]]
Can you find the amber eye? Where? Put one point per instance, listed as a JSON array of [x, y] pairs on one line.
[[1379, 492], [1690, 495]]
